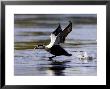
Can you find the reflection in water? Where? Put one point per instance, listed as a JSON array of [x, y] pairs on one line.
[[36, 63], [57, 68], [32, 30]]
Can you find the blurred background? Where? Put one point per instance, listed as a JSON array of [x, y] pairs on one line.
[[37, 28]]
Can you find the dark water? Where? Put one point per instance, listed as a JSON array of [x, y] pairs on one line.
[[30, 62]]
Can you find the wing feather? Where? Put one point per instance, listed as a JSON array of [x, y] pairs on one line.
[[61, 36], [57, 31]]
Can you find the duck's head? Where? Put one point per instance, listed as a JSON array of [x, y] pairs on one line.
[[39, 47]]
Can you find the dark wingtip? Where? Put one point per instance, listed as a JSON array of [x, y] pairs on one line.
[[70, 22], [59, 25], [58, 30]]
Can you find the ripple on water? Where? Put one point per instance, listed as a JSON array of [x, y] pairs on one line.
[[29, 62]]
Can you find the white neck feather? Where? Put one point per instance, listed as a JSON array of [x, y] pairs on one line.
[[53, 38]]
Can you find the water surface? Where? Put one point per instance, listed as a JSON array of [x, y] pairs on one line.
[[30, 62]]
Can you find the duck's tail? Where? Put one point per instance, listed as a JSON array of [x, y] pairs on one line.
[[68, 54]]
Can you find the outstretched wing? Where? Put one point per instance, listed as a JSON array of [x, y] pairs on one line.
[[54, 35], [61, 36], [57, 31]]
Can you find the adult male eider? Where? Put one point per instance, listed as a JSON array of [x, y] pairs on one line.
[[58, 36]]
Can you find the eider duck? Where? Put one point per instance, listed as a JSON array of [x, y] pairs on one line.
[[57, 37]]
